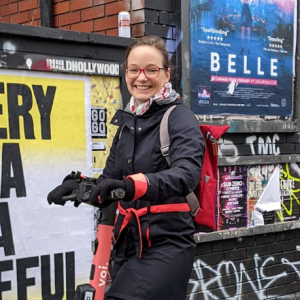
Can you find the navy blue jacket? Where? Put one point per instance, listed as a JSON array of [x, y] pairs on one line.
[[165, 236]]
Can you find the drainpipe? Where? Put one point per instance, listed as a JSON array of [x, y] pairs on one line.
[[46, 13]]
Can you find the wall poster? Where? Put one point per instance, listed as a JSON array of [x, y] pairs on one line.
[[242, 56], [50, 124], [289, 193], [258, 178], [232, 197]]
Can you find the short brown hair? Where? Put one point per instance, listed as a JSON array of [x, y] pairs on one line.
[[153, 41]]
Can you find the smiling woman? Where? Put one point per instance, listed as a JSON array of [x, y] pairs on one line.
[[154, 255], [154, 230]]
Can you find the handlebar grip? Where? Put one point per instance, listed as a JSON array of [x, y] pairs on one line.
[[71, 197], [117, 194]]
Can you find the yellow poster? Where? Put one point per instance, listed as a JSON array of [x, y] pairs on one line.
[[45, 250]]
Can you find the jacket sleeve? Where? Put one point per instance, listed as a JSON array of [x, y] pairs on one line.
[[186, 153]]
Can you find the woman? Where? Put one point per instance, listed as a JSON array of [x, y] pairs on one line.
[[155, 245], [246, 22]]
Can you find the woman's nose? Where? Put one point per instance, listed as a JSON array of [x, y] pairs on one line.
[[142, 75]]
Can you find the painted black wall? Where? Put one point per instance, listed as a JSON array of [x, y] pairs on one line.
[[249, 264]]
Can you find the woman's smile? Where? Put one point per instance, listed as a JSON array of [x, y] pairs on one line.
[[142, 87]]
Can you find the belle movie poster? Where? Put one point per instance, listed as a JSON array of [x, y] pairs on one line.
[[242, 56]]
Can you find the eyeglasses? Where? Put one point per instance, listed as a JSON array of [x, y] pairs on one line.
[[151, 72]]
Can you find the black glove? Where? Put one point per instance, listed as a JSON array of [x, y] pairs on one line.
[[104, 188], [66, 188]]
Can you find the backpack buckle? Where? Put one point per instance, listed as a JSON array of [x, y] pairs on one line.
[[165, 150], [194, 213]]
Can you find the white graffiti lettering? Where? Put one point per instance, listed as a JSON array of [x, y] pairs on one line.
[[216, 285], [228, 146], [264, 146]]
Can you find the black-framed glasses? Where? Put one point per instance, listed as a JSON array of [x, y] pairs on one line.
[[151, 72]]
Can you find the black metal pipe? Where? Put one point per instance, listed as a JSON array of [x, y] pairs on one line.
[[46, 13]]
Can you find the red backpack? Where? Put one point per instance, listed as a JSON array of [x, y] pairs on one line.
[[203, 200]]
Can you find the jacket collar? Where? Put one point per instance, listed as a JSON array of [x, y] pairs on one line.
[[122, 117]]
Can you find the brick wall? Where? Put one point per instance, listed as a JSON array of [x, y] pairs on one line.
[[20, 12], [99, 16]]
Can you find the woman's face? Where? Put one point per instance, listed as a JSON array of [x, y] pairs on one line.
[[141, 87]]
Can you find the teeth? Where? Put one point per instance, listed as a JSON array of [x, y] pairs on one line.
[[142, 87]]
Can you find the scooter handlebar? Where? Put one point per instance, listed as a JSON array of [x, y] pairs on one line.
[[82, 195]]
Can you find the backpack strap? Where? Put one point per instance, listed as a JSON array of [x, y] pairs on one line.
[[164, 134], [164, 137]]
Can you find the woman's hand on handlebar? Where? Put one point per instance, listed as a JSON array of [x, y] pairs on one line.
[[102, 192]]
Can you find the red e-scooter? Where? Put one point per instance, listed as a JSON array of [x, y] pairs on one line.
[[101, 246]]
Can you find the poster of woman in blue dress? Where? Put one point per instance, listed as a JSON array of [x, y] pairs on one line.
[[246, 22], [243, 53]]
